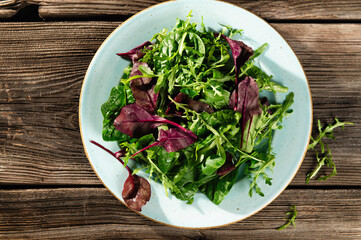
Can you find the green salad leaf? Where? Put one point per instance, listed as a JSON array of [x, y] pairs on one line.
[[326, 156], [291, 220], [190, 72]]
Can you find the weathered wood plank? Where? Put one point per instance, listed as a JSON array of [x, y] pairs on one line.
[[332, 66], [89, 213], [39, 91], [40, 83], [270, 10], [9, 8]]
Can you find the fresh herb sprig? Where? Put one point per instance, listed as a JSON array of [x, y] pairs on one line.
[[325, 160], [291, 220], [326, 156], [327, 132]]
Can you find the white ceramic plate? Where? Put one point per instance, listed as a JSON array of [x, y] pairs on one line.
[[279, 60]]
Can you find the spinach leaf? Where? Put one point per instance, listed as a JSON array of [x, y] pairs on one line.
[[217, 189], [118, 98], [188, 190]]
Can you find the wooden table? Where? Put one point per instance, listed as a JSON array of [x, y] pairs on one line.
[[49, 190]]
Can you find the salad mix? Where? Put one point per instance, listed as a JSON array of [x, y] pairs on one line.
[[188, 110]]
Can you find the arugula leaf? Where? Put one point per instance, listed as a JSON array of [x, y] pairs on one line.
[[263, 80], [327, 132], [326, 158], [215, 95], [231, 31], [258, 51], [272, 116], [291, 220], [258, 168]]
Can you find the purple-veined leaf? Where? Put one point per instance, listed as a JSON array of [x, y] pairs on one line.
[[192, 104], [136, 121], [172, 140], [143, 89], [136, 53], [247, 103], [136, 190], [240, 52]]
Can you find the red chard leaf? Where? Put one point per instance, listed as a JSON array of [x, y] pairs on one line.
[[240, 52], [136, 53], [248, 100], [143, 89], [136, 121], [172, 140], [136, 192], [135, 72], [192, 104]]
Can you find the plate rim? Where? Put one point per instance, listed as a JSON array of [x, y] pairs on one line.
[[154, 220]]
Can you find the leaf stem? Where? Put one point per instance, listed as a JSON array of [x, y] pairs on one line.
[[115, 156]]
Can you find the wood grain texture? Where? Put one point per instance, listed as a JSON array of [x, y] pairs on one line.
[[8, 8], [40, 82], [271, 10], [93, 213], [39, 93]]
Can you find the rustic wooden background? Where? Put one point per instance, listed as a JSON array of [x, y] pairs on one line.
[[47, 187]]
